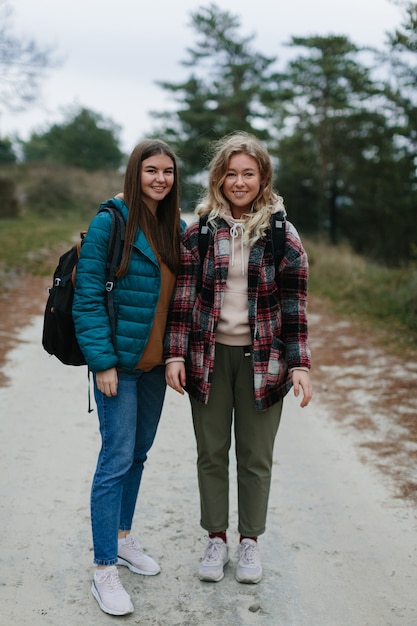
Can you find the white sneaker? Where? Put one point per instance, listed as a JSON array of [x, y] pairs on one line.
[[215, 558], [130, 553], [249, 568], [110, 593]]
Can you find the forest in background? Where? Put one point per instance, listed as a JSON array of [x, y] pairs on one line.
[[340, 123]]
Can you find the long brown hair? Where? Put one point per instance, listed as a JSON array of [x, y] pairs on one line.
[[162, 230]]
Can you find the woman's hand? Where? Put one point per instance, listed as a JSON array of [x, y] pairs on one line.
[[107, 382], [175, 376], [300, 378]]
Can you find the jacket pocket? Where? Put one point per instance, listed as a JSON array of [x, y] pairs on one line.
[[276, 363], [195, 355]]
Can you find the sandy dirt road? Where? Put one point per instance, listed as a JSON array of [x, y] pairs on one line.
[[339, 549]]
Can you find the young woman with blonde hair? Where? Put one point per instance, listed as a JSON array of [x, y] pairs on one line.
[[238, 344]]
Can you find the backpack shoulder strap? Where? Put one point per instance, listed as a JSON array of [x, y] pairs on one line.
[[78, 248], [278, 235], [115, 249], [204, 234], [116, 240]]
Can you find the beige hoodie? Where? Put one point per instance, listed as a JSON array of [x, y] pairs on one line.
[[233, 326]]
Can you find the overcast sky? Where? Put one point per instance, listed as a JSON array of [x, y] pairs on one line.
[[113, 52]]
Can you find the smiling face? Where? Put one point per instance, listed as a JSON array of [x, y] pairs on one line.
[[242, 183], [157, 179]]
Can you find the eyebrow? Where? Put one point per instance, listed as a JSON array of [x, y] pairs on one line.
[[247, 169], [155, 167]]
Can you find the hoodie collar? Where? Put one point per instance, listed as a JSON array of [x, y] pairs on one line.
[[237, 229]]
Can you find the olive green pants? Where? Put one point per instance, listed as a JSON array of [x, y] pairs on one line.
[[231, 401]]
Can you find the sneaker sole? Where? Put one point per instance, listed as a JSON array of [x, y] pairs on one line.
[[249, 581], [104, 608], [206, 579], [136, 570]]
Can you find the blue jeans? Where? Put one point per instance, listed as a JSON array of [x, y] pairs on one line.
[[128, 424]]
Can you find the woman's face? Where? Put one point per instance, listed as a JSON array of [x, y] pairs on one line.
[[242, 183], [157, 178]]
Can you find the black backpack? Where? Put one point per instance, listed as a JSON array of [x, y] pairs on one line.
[[277, 225], [58, 336]]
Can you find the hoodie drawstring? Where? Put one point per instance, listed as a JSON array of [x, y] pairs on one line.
[[234, 233]]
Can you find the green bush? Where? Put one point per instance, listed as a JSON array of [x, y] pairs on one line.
[[8, 200], [55, 190], [50, 194]]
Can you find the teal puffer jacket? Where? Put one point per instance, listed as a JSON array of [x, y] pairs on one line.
[[136, 297]]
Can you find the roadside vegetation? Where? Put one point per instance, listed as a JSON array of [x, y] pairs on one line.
[[355, 286], [31, 242], [53, 204]]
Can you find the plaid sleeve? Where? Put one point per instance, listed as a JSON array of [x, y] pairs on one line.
[[181, 310], [293, 285]]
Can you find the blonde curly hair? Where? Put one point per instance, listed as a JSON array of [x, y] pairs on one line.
[[267, 200]]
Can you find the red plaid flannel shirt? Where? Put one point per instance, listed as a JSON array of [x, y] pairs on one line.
[[276, 309]]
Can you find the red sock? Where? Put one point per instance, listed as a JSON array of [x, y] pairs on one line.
[[243, 537], [221, 534]]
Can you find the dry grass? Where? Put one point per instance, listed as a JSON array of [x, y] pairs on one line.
[[383, 295]]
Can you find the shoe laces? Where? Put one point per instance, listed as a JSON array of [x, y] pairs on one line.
[[110, 577], [213, 551], [133, 545], [248, 552]]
